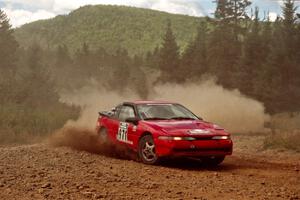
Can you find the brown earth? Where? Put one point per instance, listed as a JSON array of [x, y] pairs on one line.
[[41, 171]]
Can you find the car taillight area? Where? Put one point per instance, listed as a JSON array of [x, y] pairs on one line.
[[98, 123]]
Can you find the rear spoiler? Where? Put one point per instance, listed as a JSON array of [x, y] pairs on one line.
[[107, 113], [104, 114]]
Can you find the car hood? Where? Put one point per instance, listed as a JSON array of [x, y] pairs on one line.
[[186, 127]]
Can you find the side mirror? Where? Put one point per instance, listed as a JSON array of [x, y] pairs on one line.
[[132, 120]]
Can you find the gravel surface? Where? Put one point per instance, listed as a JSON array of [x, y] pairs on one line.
[[41, 171]]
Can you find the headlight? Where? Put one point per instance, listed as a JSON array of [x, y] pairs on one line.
[[176, 138], [223, 137]]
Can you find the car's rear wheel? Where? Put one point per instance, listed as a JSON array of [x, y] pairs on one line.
[[213, 160], [146, 150], [103, 136]]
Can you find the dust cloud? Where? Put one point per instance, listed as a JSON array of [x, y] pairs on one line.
[[85, 139], [80, 134], [91, 99], [77, 138], [228, 108]]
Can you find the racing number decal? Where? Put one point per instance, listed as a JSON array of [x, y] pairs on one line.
[[122, 132]]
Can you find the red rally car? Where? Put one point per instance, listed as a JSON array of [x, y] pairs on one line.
[[156, 129]]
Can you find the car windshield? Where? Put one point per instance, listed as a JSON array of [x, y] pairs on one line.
[[164, 112]]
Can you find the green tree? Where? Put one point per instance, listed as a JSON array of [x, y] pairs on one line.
[[238, 14], [232, 13], [298, 40], [263, 90], [252, 58], [120, 78], [266, 38], [289, 41], [138, 79], [152, 59], [289, 70], [224, 49], [8, 58], [169, 58], [274, 91], [62, 67], [282, 93], [38, 89], [84, 64], [62, 56], [8, 47], [194, 59]]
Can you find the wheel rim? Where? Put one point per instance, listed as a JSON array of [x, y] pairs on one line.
[[148, 151]]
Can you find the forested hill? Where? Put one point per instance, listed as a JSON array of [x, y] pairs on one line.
[[111, 27]]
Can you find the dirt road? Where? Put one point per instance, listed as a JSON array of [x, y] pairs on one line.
[[43, 172]]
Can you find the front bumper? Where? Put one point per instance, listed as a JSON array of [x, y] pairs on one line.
[[196, 148]]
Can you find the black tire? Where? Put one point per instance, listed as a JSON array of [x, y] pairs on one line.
[[213, 160], [146, 150]]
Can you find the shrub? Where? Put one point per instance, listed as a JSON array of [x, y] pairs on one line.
[[22, 124], [287, 140]]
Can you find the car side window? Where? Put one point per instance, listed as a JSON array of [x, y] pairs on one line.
[[117, 111], [126, 112]]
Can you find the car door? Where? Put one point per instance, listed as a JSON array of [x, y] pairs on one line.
[[125, 129], [113, 124]]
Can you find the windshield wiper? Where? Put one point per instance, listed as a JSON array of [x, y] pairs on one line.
[[155, 118], [183, 118]]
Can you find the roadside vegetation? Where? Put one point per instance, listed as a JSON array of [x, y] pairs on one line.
[[241, 49], [286, 140], [285, 132], [29, 102], [239, 45]]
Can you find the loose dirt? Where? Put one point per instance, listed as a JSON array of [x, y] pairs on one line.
[[41, 171]]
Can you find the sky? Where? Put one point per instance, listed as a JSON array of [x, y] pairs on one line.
[[25, 11]]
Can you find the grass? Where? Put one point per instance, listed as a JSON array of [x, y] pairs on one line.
[[287, 140], [21, 124]]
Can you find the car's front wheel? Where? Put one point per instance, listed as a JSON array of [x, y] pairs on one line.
[[146, 150]]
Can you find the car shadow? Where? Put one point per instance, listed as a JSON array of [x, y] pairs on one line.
[[193, 164], [183, 163]]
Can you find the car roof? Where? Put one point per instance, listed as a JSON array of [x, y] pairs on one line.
[[138, 102]]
